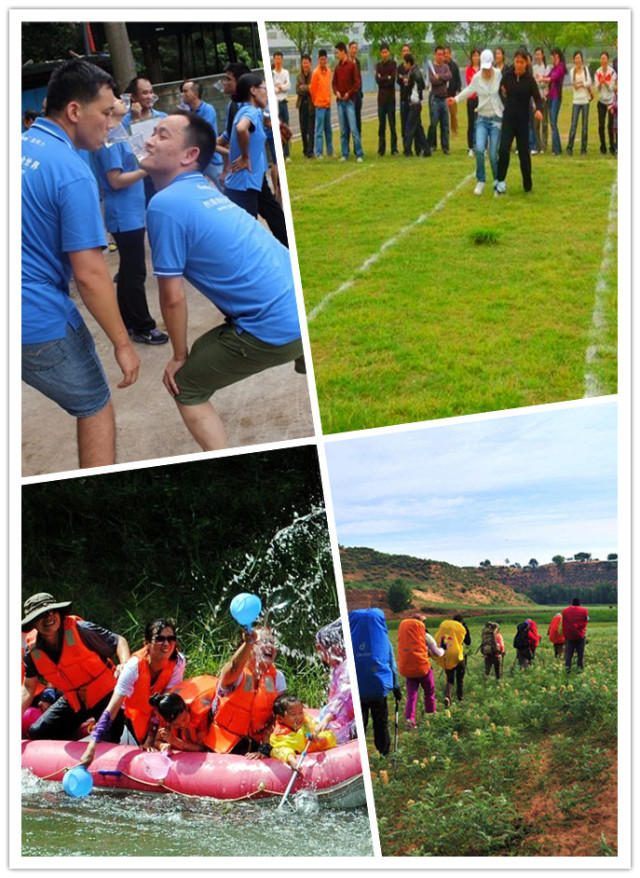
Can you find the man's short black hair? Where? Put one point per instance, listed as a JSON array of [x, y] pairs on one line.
[[196, 85], [75, 80], [439, 49], [575, 602], [278, 53], [237, 69], [246, 83], [199, 133], [408, 59], [384, 46], [322, 53], [341, 47], [306, 57], [132, 88], [30, 115], [353, 43]]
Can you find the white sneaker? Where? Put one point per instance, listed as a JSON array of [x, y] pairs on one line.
[[479, 188], [534, 152], [359, 159], [343, 158], [320, 156], [471, 153]]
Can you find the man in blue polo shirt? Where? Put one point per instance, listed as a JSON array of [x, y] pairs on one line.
[[192, 97], [198, 234], [63, 234]]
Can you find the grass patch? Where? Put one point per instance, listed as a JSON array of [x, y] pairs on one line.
[[484, 236], [524, 766], [435, 326]]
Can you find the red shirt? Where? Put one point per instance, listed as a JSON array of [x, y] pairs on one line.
[[470, 72], [574, 622], [346, 79]]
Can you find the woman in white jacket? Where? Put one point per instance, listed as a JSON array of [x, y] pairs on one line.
[[582, 96]]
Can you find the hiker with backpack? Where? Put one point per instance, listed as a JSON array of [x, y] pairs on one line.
[[376, 671], [415, 647], [492, 648], [574, 625], [554, 632], [526, 642], [451, 636]]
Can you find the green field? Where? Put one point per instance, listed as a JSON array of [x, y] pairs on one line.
[[522, 767], [435, 325]]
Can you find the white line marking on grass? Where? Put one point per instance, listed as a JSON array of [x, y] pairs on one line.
[[597, 346], [390, 242], [326, 185]]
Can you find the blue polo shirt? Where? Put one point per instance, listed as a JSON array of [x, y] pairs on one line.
[[126, 119], [123, 208], [60, 214], [246, 179], [208, 113], [197, 233]]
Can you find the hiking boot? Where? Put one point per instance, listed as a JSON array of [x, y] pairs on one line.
[[447, 701], [154, 336]]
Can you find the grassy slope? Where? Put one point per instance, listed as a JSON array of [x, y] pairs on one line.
[[540, 781], [440, 326]]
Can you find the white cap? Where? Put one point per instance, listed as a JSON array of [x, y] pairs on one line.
[[486, 59]]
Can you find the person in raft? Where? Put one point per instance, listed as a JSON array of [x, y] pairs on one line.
[[294, 729], [338, 715], [75, 657], [248, 685], [185, 714], [154, 668], [415, 646]]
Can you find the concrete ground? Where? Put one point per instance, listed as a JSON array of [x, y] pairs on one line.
[[268, 407]]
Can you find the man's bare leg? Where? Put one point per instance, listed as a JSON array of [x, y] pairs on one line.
[[205, 425], [97, 438]]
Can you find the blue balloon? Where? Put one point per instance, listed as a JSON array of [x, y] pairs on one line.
[[245, 609], [77, 782]]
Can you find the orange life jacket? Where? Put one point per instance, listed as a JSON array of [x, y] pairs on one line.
[[40, 685], [83, 677], [245, 711], [198, 694], [413, 653], [555, 629], [136, 705]]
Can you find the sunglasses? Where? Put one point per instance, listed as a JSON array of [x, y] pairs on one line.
[[165, 638]]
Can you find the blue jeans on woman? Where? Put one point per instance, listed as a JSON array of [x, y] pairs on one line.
[[488, 128], [577, 111], [554, 110], [347, 120], [323, 127]]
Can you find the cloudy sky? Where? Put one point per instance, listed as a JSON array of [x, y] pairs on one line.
[[530, 485]]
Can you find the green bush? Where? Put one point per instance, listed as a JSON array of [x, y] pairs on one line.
[[399, 595]]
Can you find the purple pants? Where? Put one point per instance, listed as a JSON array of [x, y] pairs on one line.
[[428, 686]]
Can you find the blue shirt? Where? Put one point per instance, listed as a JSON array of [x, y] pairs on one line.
[[197, 233], [208, 113], [123, 208], [60, 214], [126, 119], [246, 179]]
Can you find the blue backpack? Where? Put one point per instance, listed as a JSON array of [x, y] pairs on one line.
[[372, 652]]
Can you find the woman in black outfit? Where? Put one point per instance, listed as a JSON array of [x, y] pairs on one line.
[[518, 89]]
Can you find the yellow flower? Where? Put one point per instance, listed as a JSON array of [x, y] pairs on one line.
[[410, 802], [447, 713], [455, 736], [478, 732], [507, 731], [493, 727], [384, 777]]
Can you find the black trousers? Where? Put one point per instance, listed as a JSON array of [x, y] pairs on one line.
[[387, 110], [307, 119], [60, 722], [495, 662], [571, 646], [380, 718], [132, 273], [414, 132], [472, 106], [457, 674], [604, 114], [264, 203], [519, 128]]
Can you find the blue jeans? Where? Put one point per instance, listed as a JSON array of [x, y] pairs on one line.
[[68, 371], [554, 110], [347, 120], [439, 113], [323, 126], [488, 128], [576, 111]]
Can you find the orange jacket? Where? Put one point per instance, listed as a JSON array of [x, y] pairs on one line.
[[320, 87], [244, 711], [136, 705], [413, 653], [197, 693], [40, 686], [555, 629], [83, 677]]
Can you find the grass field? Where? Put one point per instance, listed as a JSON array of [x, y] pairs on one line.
[[522, 767], [410, 319]]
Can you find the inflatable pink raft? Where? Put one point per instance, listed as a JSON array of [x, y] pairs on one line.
[[334, 775]]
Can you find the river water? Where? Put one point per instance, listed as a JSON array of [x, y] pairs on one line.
[[129, 823]]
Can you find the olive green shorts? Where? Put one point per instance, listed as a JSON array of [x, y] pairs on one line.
[[223, 356]]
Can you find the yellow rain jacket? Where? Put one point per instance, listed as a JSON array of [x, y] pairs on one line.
[[284, 741]]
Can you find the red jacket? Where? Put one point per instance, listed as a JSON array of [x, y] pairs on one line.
[[574, 622], [534, 637]]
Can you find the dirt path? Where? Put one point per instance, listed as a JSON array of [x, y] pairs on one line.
[[268, 407]]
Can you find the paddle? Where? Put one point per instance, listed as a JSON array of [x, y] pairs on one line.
[[296, 770], [245, 609]]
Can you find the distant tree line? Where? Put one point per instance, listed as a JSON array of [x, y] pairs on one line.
[[557, 593]]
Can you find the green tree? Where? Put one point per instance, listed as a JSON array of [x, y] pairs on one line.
[[485, 563], [549, 34], [395, 34], [582, 556], [399, 595], [559, 560], [612, 556], [51, 41], [533, 563], [308, 34]]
